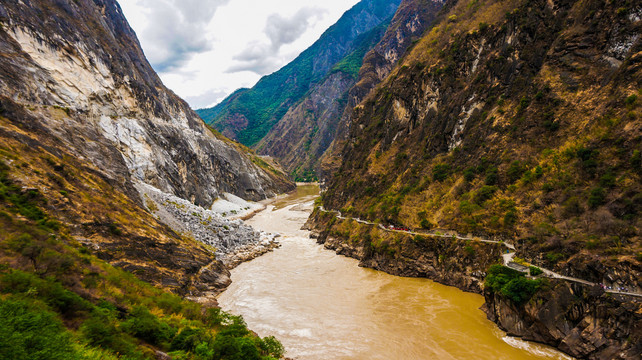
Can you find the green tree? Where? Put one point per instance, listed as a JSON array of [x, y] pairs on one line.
[[32, 333]]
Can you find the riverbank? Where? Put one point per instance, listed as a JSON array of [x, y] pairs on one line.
[[322, 305], [580, 320]]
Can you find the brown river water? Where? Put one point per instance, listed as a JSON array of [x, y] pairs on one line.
[[323, 306]]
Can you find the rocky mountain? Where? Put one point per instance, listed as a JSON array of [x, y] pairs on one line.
[[308, 129], [111, 106], [248, 115], [304, 133], [517, 121], [409, 23], [105, 173], [106, 149]]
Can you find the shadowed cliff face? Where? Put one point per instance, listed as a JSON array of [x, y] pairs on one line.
[[411, 20], [84, 59], [577, 319]]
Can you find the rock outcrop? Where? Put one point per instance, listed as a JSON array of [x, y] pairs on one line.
[[579, 320], [85, 61]]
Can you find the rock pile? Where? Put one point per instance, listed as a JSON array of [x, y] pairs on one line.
[[234, 241]]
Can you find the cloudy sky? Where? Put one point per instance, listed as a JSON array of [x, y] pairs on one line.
[[206, 49]]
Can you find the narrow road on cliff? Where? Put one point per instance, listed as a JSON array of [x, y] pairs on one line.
[[507, 257]]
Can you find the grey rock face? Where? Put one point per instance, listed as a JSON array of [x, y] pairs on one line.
[[83, 74], [228, 237]]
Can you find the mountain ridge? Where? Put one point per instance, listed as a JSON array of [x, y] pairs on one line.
[[249, 117], [513, 120]]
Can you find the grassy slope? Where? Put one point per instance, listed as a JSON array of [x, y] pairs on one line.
[[57, 297], [551, 155]]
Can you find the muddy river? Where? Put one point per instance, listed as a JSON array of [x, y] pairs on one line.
[[323, 306]]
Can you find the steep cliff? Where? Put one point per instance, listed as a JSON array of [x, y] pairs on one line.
[[249, 115], [304, 133], [517, 120], [88, 125], [85, 59], [580, 320], [407, 26], [453, 262]]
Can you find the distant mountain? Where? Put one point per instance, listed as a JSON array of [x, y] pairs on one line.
[[304, 133], [248, 116]]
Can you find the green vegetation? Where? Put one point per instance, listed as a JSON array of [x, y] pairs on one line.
[[267, 102], [440, 172], [32, 317], [534, 271], [30, 332], [511, 284], [351, 64], [58, 301], [597, 197]]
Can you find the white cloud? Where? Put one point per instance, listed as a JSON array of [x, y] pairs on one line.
[[261, 58], [206, 49], [175, 30]]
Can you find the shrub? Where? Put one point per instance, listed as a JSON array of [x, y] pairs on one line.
[[515, 171], [51, 292], [170, 303], [144, 325], [597, 197], [588, 159], [229, 347], [534, 271], [523, 103], [572, 207], [491, 176], [636, 160], [440, 172], [32, 333], [270, 346], [100, 330], [631, 100], [608, 180], [188, 339], [554, 257], [520, 289], [469, 174], [551, 125], [484, 193], [426, 224], [511, 284], [510, 218]]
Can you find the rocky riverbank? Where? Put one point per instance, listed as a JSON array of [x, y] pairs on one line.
[[232, 240], [448, 261], [582, 321]]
